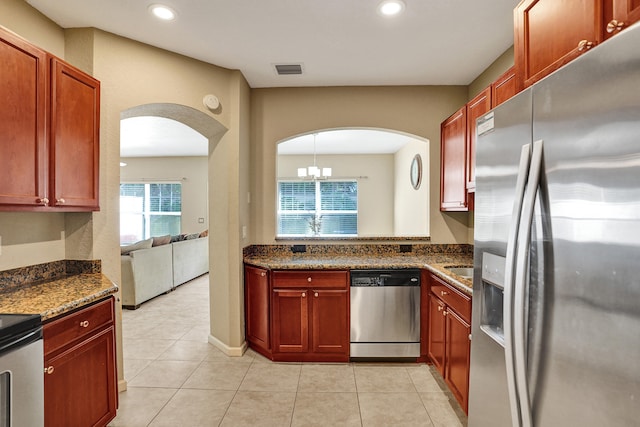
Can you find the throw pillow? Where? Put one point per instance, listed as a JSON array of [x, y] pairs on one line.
[[161, 240], [205, 233], [142, 244], [191, 236]]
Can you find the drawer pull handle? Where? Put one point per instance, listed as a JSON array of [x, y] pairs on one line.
[[49, 370], [304, 294], [585, 45], [614, 25], [308, 279], [84, 323], [443, 293]]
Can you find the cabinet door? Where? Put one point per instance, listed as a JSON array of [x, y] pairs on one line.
[[477, 107], [75, 139], [80, 384], [23, 92], [330, 322], [257, 306], [290, 321], [625, 12], [548, 34], [457, 356], [437, 333], [504, 87], [453, 178]]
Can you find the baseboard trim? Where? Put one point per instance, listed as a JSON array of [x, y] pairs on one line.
[[229, 351], [122, 386]]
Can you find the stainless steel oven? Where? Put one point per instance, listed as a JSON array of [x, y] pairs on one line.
[[385, 313], [21, 371]]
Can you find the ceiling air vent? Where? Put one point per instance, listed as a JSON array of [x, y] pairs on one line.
[[288, 69]]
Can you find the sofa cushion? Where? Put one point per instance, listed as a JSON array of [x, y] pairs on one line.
[[205, 233], [142, 244], [192, 236], [177, 238], [161, 240]]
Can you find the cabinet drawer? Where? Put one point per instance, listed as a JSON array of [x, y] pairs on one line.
[[311, 279], [455, 299], [72, 327]]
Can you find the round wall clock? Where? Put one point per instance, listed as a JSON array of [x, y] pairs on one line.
[[416, 171]]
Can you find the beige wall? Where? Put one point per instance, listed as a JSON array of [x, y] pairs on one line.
[[191, 172], [488, 76], [411, 206], [281, 113]]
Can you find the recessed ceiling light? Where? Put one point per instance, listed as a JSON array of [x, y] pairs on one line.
[[163, 12], [391, 7]]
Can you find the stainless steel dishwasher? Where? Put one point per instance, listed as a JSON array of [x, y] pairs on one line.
[[385, 313]]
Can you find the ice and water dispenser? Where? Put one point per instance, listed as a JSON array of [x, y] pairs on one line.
[[491, 320]]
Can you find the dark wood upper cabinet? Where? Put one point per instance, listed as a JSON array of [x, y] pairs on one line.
[[453, 156], [49, 131], [504, 87], [75, 136], [550, 33], [476, 108], [623, 14], [23, 91]]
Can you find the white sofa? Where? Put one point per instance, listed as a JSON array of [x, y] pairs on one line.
[[147, 273]]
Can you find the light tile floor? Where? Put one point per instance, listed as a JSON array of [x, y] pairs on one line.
[[176, 378]]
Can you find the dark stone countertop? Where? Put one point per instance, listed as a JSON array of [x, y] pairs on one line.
[[434, 262], [71, 286]]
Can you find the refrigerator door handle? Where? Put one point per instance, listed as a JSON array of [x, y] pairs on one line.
[[520, 288], [509, 276]]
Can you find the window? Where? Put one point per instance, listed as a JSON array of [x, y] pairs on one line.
[[317, 208], [148, 210]]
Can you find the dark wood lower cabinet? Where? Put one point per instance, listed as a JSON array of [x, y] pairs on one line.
[[80, 382], [448, 341], [257, 295], [298, 315]]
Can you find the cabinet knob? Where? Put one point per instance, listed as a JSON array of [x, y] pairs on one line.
[[585, 45], [444, 313], [263, 274], [308, 279], [49, 370], [43, 201], [614, 26], [60, 201], [315, 294], [84, 323], [304, 294], [439, 308], [443, 293]]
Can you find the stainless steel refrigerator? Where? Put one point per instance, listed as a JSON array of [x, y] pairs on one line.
[[556, 287]]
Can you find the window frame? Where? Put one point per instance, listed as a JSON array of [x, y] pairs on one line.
[[146, 212], [318, 212]]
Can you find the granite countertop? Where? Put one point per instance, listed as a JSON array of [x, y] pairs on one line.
[[53, 296], [434, 262]]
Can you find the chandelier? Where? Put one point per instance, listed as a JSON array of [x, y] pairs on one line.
[[314, 172]]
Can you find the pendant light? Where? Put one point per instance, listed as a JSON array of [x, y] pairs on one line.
[[314, 172]]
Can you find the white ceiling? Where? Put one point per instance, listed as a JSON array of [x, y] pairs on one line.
[[339, 42], [160, 137]]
